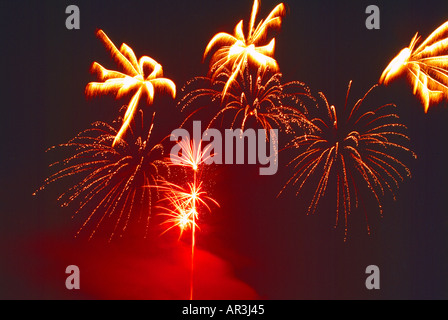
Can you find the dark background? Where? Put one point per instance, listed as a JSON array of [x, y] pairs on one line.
[[269, 243]]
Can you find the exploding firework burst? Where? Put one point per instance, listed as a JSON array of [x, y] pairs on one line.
[[260, 97], [191, 154], [182, 205], [141, 76], [236, 50], [111, 179], [426, 66], [356, 150]]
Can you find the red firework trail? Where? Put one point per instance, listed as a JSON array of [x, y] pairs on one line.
[[182, 205]]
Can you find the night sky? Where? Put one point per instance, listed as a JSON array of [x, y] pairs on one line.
[[255, 246]]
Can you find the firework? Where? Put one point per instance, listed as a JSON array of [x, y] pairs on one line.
[[259, 96], [180, 212], [236, 50], [182, 205], [111, 178], [192, 154], [356, 151], [139, 77], [426, 66]]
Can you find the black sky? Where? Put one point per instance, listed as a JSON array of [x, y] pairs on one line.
[[325, 44]]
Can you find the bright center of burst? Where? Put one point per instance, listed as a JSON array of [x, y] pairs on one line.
[[184, 221], [400, 61]]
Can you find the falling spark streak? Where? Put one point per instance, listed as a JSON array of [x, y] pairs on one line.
[[354, 148], [259, 95], [182, 204], [110, 179], [136, 77], [238, 49], [426, 67]]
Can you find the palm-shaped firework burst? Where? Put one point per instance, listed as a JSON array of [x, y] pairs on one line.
[[258, 95], [354, 149], [140, 76], [111, 180], [236, 50], [426, 66]]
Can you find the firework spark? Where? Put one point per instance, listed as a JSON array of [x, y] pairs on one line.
[[192, 154], [140, 76], [111, 179], [237, 49], [182, 205], [425, 65], [356, 151], [260, 96]]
